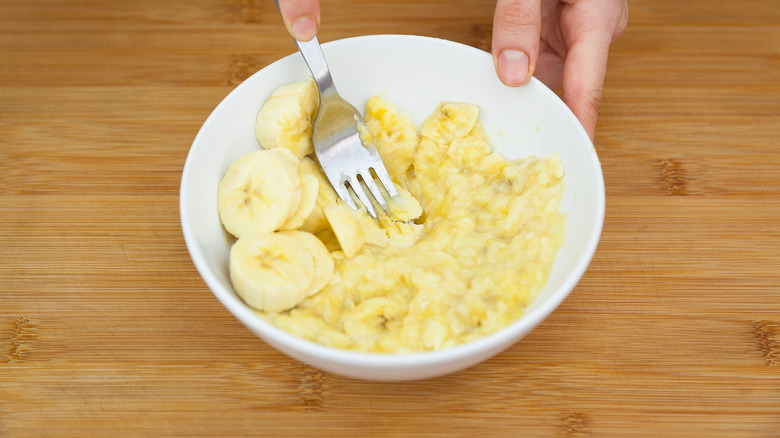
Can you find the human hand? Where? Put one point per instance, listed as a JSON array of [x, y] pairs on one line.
[[564, 43], [302, 17]]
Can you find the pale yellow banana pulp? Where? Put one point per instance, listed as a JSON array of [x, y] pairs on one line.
[[345, 227], [326, 195], [460, 254], [285, 120], [259, 192], [271, 271]]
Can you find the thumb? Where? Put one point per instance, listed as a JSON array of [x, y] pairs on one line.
[[516, 28], [301, 17]]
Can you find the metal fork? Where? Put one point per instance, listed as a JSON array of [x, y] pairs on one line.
[[345, 160], [337, 143]]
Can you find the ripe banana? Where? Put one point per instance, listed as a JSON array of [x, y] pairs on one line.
[[394, 226], [310, 187], [394, 134], [345, 227], [274, 272], [404, 207], [259, 192], [324, 265], [316, 221], [286, 118], [450, 121], [369, 320]]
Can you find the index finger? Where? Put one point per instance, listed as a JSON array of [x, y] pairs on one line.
[[583, 79], [593, 30]]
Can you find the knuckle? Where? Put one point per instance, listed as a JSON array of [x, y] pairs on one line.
[[514, 14]]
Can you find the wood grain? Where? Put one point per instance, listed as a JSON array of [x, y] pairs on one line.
[[106, 329]]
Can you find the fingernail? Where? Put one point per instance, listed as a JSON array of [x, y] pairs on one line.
[[304, 29], [513, 67]]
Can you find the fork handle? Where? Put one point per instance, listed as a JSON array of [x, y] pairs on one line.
[[315, 59]]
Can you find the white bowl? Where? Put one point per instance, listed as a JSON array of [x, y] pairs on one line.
[[415, 74]]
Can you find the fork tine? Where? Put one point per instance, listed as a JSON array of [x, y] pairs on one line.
[[361, 194], [385, 179], [372, 187], [343, 192]]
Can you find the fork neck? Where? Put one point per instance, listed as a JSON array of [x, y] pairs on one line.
[[315, 59]]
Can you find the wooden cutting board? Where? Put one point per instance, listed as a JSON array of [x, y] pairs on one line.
[[106, 329]]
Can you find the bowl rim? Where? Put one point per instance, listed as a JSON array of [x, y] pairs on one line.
[[274, 336]]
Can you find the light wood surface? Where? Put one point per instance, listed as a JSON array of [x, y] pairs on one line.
[[106, 329]]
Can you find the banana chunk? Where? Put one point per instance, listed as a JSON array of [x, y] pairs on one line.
[[326, 195], [404, 207], [324, 265], [451, 121], [310, 186], [368, 321], [259, 192], [345, 227], [286, 118], [385, 231], [394, 135], [272, 272]]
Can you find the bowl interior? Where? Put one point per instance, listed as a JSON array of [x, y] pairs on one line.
[[415, 74]]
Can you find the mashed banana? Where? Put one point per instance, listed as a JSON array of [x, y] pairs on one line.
[[464, 265]]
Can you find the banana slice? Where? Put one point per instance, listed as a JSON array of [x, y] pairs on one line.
[[272, 272], [287, 155], [394, 226], [316, 221], [370, 318], [259, 192], [386, 232], [310, 186], [286, 118], [346, 228], [404, 207], [324, 265], [451, 121], [373, 230]]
